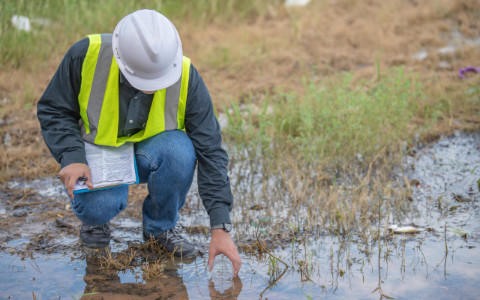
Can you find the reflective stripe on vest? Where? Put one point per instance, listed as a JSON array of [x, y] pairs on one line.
[[99, 98]]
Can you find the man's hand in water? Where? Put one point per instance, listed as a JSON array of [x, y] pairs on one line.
[[222, 243]]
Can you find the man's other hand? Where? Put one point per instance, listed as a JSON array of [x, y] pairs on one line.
[[70, 174], [222, 243]]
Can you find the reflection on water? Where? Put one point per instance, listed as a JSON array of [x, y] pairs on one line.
[[441, 262], [46, 277], [405, 267], [57, 277], [107, 283]]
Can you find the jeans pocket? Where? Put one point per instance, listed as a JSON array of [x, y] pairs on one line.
[[77, 206]]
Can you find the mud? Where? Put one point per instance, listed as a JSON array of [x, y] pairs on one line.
[[41, 256]]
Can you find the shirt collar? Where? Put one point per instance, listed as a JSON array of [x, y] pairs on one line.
[[124, 80]]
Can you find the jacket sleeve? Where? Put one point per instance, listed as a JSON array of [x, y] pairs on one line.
[[58, 109], [204, 131]]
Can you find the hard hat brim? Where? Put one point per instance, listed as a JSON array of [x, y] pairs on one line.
[[169, 77], [173, 75]]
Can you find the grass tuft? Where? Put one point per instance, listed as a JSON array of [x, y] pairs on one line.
[[333, 124]]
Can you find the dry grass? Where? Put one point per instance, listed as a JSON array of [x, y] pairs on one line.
[[149, 257], [118, 261], [152, 270], [328, 37]]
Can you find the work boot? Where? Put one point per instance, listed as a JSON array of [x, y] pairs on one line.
[[172, 241], [95, 236]]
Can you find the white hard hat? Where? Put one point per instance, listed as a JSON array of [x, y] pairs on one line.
[[148, 50]]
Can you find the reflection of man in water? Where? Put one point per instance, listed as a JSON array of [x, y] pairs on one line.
[[231, 292], [107, 284], [136, 86]]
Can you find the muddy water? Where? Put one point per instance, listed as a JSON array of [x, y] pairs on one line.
[[40, 254]]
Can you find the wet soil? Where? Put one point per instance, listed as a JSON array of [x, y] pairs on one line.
[[40, 252]]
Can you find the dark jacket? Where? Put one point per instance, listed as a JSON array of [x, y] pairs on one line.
[[58, 113]]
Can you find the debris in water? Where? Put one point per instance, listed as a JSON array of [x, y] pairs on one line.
[[404, 229], [460, 232]]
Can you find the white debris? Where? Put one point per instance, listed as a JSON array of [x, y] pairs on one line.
[[21, 23], [404, 229], [291, 3], [420, 55], [7, 139]]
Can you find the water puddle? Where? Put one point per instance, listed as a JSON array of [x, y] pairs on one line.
[[41, 256]]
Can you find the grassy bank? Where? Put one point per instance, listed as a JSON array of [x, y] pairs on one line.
[[334, 123]]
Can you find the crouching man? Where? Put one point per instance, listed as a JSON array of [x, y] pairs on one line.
[[136, 86]]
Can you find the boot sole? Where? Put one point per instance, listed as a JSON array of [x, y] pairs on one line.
[[95, 245]]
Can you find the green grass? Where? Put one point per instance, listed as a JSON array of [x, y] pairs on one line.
[[334, 123], [71, 20]]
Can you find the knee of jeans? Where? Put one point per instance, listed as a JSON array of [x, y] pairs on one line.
[[170, 146], [98, 212], [179, 165]]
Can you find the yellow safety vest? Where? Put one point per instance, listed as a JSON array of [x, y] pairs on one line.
[[99, 98]]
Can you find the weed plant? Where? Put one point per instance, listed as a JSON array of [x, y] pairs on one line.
[[334, 124]]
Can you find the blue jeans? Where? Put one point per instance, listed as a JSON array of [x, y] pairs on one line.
[[166, 162]]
